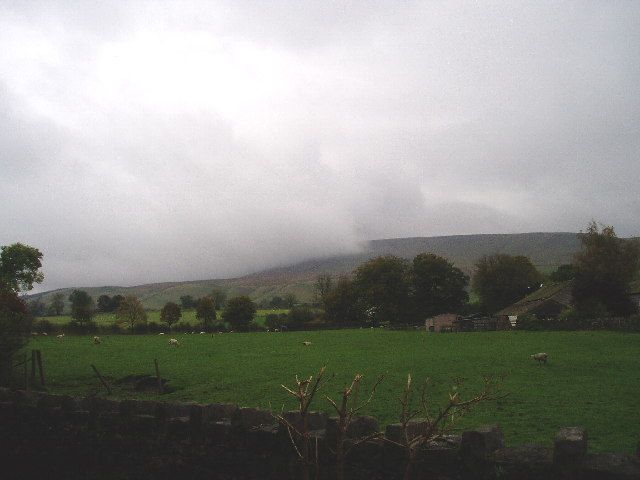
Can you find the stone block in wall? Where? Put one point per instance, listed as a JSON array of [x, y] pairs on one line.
[[570, 445], [178, 427], [477, 445], [360, 427], [177, 409], [529, 461], [616, 466], [394, 432], [215, 412], [217, 432], [100, 404], [246, 417], [141, 424]]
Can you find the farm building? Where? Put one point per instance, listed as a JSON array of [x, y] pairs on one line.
[[443, 322], [546, 302]]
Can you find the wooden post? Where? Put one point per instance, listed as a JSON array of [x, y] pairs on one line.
[[33, 366], [104, 382], [39, 360], [160, 389]]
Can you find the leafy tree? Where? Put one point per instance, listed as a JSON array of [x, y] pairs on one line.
[[105, 304], [289, 300], [19, 270], [239, 312], [299, 315], [116, 300], [187, 302], [205, 310], [342, 303], [82, 306], [131, 312], [275, 320], [36, 308], [438, 286], [501, 280], [57, 304], [170, 313], [19, 267], [604, 267], [384, 284], [324, 284], [563, 273], [219, 298], [277, 302]]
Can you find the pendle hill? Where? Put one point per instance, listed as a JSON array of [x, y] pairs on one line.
[[546, 250]]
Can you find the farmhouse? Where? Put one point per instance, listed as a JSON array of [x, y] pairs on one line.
[[546, 302], [442, 322]]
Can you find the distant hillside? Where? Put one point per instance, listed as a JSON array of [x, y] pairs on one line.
[[546, 250]]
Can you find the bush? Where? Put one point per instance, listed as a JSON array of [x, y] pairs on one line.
[[75, 328], [298, 316], [43, 326], [184, 327], [149, 327], [275, 320]]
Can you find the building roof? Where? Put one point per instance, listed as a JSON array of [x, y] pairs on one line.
[[559, 293]]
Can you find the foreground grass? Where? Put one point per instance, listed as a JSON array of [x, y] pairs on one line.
[[592, 378]]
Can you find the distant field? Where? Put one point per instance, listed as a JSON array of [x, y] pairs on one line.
[[188, 316], [592, 379]]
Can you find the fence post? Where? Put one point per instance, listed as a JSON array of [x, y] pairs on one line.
[[39, 360], [160, 389], [104, 382]]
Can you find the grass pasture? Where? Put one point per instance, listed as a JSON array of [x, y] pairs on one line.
[[592, 378]]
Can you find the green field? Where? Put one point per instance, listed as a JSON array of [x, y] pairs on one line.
[[188, 316], [592, 378]]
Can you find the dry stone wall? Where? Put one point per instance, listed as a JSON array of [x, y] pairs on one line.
[[59, 436]]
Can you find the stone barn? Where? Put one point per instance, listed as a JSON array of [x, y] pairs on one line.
[[441, 323]]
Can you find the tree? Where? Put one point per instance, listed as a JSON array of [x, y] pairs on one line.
[[290, 300], [57, 304], [563, 273], [604, 267], [170, 313], [205, 310], [131, 312], [438, 286], [501, 280], [82, 306], [383, 284], [342, 303], [239, 312], [19, 267], [105, 304], [324, 284], [187, 302], [277, 302], [219, 298], [116, 300]]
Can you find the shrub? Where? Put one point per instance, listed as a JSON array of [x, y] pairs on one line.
[[43, 326], [275, 320], [298, 316], [77, 328]]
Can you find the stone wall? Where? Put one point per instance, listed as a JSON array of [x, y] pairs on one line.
[[57, 436]]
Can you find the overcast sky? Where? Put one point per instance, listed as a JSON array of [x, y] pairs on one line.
[[156, 141]]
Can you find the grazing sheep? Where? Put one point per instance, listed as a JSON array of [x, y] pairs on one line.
[[540, 357], [174, 342], [96, 340], [44, 333], [202, 333], [306, 344], [161, 333], [34, 334], [61, 336]]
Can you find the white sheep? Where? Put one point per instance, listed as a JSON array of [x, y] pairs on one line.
[[96, 340], [161, 333], [44, 333], [306, 344], [61, 336], [173, 342], [202, 333], [540, 357]]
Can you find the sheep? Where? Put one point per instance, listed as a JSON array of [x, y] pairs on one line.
[[540, 357], [96, 340], [174, 342], [202, 333], [161, 333], [34, 334], [44, 333], [306, 344], [61, 336]]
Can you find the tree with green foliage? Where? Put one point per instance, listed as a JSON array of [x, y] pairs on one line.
[[57, 304], [342, 303], [277, 302], [170, 313], [563, 273], [299, 315], [604, 267], [323, 285], [19, 269], [239, 312], [187, 302], [105, 304], [205, 311], [384, 285], [131, 312], [116, 300], [438, 286], [219, 298], [289, 300], [501, 280], [82, 307]]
